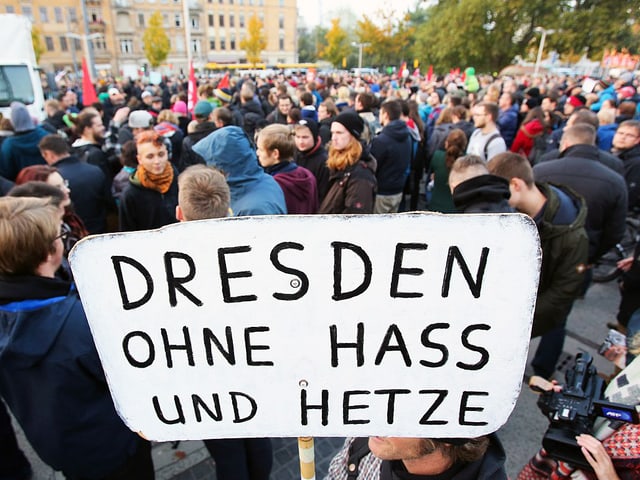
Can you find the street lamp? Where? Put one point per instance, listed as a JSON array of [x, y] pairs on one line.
[[544, 32], [85, 46], [360, 47]]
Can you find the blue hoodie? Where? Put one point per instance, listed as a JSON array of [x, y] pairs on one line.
[[253, 192]]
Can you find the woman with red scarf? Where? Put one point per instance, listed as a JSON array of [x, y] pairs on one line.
[[150, 199]]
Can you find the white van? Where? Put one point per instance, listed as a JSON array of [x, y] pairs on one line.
[[19, 77]]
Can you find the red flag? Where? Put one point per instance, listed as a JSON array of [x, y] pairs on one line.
[[192, 90], [224, 81], [88, 90], [403, 67], [430, 73]]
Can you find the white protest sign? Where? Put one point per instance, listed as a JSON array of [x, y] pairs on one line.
[[404, 325]]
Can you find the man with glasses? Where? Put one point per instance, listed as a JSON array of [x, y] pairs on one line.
[[50, 374], [486, 141], [626, 144]]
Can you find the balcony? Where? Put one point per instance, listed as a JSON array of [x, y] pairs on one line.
[[97, 26]]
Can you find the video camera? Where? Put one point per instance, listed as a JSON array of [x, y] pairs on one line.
[[573, 411]]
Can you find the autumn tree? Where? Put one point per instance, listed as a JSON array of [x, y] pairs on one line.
[[337, 46], [36, 39], [310, 43], [388, 39], [255, 41], [156, 42]]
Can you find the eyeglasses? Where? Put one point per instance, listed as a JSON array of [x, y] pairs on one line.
[[65, 231]]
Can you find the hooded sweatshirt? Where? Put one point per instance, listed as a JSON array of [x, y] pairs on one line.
[[483, 194], [298, 185], [253, 192]]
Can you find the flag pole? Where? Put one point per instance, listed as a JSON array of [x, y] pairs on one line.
[[307, 458]]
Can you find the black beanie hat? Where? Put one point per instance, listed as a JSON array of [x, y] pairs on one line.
[[352, 122], [311, 125]]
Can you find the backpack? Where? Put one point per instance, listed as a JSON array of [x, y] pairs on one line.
[[486, 145], [540, 143]]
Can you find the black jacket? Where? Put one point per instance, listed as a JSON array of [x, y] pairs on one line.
[[604, 190], [144, 209], [483, 194], [252, 117], [315, 160], [187, 156], [631, 162], [352, 190], [90, 192], [605, 158], [392, 149]]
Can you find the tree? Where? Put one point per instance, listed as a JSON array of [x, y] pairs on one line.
[[156, 42], [310, 43], [389, 40], [255, 41], [337, 46], [486, 34], [36, 39]]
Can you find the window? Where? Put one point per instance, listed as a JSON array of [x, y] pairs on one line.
[[27, 12], [261, 3], [281, 3], [232, 22], [212, 44], [48, 41], [126, 45], [57, 13], [281, 21], [99, 44], [165, 20], [10, 9], [180, 43], [240, 2], [44, 18], [195, 23], [64, 46], [210, 19], [195, 45], [281, 42], [232, 42], [178, 20], [223, 44], [221, 2], [221, 20], [76, 44], [141, 19], [241, 21], [73, 16]]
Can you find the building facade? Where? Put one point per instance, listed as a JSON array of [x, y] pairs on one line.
[[112, 30]]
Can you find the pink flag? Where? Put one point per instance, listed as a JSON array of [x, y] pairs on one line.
[[192, 90]]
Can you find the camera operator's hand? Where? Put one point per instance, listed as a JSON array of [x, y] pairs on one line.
[[597, 456]]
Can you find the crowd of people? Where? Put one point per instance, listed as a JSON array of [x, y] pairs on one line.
[[562, 151]]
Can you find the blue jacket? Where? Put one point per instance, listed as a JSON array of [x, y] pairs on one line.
[[53, 382], [21, 150], [508, 124], [253, 192]]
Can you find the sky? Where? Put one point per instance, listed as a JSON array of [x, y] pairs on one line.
[[309, 9]]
